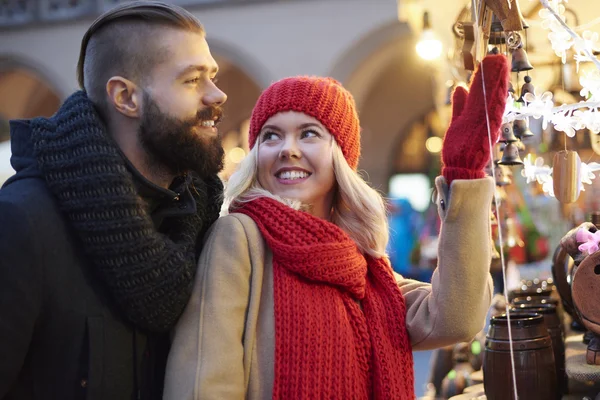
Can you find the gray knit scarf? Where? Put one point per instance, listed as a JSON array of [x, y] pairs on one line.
[[149, 274]]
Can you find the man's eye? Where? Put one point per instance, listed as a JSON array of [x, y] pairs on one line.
[[193, 80]]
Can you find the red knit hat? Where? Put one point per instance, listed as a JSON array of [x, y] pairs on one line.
[[322, 98]]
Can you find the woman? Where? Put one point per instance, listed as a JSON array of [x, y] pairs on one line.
[[294, 297]]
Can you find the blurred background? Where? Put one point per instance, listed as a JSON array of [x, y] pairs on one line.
[[400, 59]]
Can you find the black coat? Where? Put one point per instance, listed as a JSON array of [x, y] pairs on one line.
[[61, 336]]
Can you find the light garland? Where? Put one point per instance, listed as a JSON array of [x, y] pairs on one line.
[[537, 171], [567, 118]]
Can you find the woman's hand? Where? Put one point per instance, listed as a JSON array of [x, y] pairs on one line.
[[466, 149]]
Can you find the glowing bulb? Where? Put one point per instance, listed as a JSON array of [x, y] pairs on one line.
[[428, 47], [236, 155], [434, 144]]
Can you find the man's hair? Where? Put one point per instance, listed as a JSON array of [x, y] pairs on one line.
[[123, 41]]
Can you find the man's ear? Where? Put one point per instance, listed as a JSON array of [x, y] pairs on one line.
[[125, 96]]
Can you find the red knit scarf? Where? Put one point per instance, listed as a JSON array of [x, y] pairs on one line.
[[326, 347]]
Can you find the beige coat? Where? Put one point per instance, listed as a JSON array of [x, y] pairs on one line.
[[224, 343]]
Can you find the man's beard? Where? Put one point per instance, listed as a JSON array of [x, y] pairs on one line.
[[173, 145]]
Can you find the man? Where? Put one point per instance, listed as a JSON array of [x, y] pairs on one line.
[[100, 226]]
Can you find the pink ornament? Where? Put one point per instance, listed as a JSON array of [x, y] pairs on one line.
[[590, 240]]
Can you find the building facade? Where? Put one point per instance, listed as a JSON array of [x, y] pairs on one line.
[[361, 43]]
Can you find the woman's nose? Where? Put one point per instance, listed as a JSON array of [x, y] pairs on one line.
[[290, 149]]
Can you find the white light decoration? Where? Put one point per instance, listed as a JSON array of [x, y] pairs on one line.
[[536, 171], [434, 144], [429, 46], [567, 118]]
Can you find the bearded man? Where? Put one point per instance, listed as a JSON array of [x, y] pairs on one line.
[[101, 225]]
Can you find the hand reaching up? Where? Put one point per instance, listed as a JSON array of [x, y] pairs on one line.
[[466, 149]]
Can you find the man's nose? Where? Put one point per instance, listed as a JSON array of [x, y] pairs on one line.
[[214, 96]]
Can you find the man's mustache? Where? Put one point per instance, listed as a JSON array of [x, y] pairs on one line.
[[211, 112]]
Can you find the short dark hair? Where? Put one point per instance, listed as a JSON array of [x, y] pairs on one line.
[[122, 41]]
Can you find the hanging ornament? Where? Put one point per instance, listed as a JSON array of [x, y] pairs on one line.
[[566, 175], [526, 88], [521, 129], [510, 155], [503, 174], [506, 133], [520, 61]]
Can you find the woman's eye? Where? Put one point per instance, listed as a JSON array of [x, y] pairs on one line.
[[310, 134], [269, 136]]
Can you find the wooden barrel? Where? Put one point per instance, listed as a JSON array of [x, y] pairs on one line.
[[534, 360], [542, 300], [525, 291], [548, 312]]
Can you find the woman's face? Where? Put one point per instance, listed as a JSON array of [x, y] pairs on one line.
[[295, 160]]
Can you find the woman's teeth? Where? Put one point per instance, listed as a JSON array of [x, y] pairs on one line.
[[290, 175]]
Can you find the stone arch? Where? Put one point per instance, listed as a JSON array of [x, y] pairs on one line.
[[25, 90], [229, 54]]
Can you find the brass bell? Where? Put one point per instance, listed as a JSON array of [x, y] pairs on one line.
[[521, 129], [520, 62], [510, 156], [526, 88], [497, 35], [502, 174], [506, 133]]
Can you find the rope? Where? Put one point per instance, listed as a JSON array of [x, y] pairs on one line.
[[496, 198]]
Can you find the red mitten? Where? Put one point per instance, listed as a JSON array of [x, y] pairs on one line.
[[466, 149]]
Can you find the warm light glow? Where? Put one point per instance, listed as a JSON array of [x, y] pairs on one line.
[[429, 47], [434, 144], [236, 155]]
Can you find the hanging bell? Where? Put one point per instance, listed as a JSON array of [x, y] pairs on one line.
[[496, 31], [521, 129], [502, 174], [506, 133], [510, 156], [526, 88], [520, 62]]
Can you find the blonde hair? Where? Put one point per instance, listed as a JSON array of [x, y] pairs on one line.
[[358, 209]]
